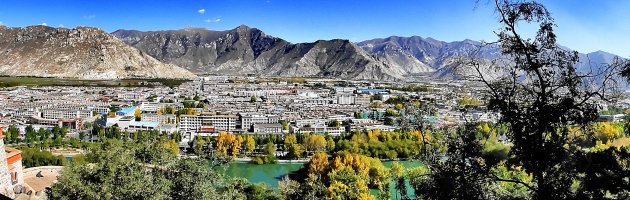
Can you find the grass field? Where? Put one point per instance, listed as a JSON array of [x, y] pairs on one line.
[[6, 81]]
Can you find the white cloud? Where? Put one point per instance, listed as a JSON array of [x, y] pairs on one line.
[[61, 25], [89, 16], [212, 20], [1, 23], [44, 24], [202, 11]]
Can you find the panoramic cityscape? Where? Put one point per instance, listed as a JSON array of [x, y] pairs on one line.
[[195, 103]]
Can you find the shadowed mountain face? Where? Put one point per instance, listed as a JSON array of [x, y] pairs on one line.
[[84, 53], [245, 50]]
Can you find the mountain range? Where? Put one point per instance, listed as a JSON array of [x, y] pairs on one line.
[[82, 53], [90, 53]]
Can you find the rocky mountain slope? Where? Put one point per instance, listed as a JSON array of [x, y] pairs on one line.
[[246, 50], [84, 53], [440, 58]]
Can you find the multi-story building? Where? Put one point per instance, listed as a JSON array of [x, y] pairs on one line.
[[249, 119], [321, 129], [220, 122], [65, 114], [165, 119], [345, 99], [363, 100], [273, 128], [150, 107]]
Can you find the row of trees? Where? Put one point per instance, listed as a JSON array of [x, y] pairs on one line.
[[34, 157], [31, 135], [141, 170]]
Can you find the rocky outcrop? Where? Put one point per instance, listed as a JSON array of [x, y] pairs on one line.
[[82, 53]]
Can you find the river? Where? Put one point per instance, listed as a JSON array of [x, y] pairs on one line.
[[270, 174]]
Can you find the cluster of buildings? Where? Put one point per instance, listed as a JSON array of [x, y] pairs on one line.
[[233, 104]]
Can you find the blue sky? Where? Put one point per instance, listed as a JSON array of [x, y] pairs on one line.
[[584, 25]]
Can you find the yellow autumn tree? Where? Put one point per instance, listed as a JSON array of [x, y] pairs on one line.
[[172, 146], [236, 145], [137, 114], [289, 140], [315, 143], [228, 144], [250, 144], [318, 164], [607, 131]]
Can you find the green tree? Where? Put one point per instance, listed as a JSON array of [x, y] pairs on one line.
[[463, 175], [12, 134], [334, 123], [31, 134], [115, 170]]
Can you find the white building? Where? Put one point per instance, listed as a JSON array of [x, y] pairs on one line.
[[66, 114], [345, 99]]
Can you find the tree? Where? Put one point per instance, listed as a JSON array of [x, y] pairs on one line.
[[290, 139], [295, 151], [462, 175], [334, 123], [554, 96], [113, 170], [318, 164], [397, 172], [42, 134], [253, 99], [12, 134], [31, 134], [228, 144], [607, 131], [285, 124], [192, 180], [138, 114], [198, 144], [330, 144], [315, 142], [358, 115], [250, 145]]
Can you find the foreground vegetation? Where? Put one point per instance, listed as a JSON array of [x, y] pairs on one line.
[[141, 170]]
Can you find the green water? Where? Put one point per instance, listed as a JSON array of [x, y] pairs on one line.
[[268, 173], [272, 173]]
